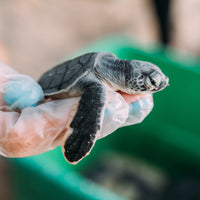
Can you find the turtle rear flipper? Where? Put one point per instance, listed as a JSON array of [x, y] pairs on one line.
[[86, 123]]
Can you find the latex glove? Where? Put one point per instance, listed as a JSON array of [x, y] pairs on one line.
[[26, 130], [125, 110]]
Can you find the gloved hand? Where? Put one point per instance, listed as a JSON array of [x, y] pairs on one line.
[[28, 129]]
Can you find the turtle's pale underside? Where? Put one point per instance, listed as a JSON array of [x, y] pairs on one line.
[[89, 76]]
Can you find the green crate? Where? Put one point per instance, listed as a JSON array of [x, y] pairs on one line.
[[169, 137]]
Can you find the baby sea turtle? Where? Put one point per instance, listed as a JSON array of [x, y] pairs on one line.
[[89, 76]]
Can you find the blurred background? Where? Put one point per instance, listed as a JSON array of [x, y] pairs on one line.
[[34, 35]]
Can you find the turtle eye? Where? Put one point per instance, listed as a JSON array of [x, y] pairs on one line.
[[153, 82], [150, 84], [147, 82]]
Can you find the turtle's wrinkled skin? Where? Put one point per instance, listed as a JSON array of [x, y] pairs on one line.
[[89, 76]]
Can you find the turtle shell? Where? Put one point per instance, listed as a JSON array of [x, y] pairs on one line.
[[66, 74]]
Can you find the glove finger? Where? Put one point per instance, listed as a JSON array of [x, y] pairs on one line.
[[18, 91], [139, 110], [21, 91], [124, 110], [115, 115]]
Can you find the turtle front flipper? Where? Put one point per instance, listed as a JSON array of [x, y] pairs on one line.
[[86, 123]]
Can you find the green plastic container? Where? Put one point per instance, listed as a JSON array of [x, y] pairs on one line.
[[169, 137]]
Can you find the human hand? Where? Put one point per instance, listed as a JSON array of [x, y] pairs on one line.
[[26, 130], [125, 110]]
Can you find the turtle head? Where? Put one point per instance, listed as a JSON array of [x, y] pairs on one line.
[[144, 77]]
